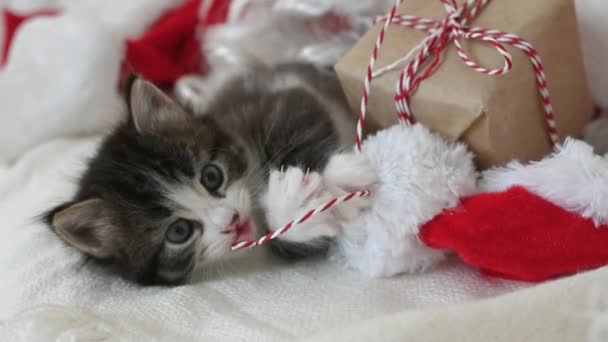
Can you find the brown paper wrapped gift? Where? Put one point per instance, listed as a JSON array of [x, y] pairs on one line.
[[500, 117]]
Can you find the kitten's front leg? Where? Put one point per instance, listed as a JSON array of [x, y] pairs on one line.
[[347, 172], [290, 195], [293, 193]]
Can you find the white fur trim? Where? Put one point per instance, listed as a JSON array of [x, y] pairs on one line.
[[62, 74], [420, 174], [574, 177], [60, 80]]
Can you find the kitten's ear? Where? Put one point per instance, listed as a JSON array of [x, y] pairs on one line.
[[87, 226], [151, 110]]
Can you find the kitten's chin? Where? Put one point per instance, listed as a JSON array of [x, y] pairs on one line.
[[221, 250]]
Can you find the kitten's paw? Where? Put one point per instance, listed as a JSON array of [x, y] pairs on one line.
[[347, 172], [290, 195], [350, 171]]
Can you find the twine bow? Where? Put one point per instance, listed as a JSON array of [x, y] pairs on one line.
[[452, 29]]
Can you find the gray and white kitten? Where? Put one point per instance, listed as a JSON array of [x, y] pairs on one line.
[[168, 192]]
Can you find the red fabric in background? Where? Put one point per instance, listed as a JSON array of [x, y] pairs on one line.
[[12, 21], [518, 235], [170, 48]]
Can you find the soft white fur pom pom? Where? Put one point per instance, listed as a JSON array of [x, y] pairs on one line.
[[420, 174]]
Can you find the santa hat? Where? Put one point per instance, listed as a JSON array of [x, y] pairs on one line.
[[532, 221], [522, 221]]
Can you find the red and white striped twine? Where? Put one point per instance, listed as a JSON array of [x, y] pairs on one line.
[[264, 239], [453, 28]]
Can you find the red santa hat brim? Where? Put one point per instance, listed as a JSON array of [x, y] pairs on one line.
[[535, 221]]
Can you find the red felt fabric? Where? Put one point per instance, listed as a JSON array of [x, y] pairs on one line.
[[12, 21], [518, 235], [170, 48], [217, 13]]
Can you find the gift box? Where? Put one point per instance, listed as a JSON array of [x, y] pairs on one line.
[[501, 117]]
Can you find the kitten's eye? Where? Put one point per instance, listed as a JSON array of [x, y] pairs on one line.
[[212, 177], [179, 231]]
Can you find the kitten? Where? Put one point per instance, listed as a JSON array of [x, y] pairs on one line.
[[168, 192]]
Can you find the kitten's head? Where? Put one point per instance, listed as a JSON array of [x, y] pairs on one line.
[[164, 193]]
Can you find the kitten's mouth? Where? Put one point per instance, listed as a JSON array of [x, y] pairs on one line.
[[242, 228]]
